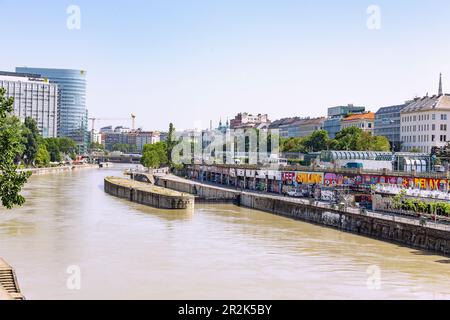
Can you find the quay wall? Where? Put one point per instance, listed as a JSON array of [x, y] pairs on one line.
[[202, 192], [408, 234], [57, 170], [150, 197]]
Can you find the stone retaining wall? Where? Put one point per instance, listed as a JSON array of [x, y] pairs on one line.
[[415, 236], [146, 195]]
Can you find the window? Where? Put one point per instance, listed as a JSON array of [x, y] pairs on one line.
[[443, 127], [433, 127], [433, 117], [433, 138], [443, 117]]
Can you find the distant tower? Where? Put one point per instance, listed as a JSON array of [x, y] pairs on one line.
[[440, 85]]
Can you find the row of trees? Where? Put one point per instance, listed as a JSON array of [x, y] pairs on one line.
[[22, 144], [160, 154], [11, 145], [350, 139], [39, 152]]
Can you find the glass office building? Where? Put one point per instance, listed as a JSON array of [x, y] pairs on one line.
[[333, 123], [387, 124], [72, 112], [33, 97]]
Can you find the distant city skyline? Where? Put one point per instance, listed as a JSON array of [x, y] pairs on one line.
[[189, 62]]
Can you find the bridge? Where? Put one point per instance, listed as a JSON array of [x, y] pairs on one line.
[[116, 158]]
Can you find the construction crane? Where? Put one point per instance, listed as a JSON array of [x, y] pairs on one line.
[[133, 121]]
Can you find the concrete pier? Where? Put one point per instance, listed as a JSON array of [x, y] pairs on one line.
[[146, 194], [402, 230]]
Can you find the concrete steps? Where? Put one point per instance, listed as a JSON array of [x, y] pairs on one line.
[[9, 287]]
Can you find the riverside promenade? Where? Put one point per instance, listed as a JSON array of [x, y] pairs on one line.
[[60, 169], [408, 231]]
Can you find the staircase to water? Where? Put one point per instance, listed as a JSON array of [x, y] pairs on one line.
[[9, 287]]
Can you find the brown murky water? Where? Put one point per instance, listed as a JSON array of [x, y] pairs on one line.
[[128, 251]]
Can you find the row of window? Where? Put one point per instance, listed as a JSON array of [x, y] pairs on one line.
[[424, 138], [423, 117], [424, 127]]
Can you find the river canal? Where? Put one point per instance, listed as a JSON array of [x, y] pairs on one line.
[[127, 251]]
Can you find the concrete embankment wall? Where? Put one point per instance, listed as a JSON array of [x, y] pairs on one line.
[[62, 169], [411, 235], [415, 236], [202, 193], [147, 197]]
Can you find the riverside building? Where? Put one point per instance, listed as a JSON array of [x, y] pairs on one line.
[[72, 115], [425, 122], [33, 97]]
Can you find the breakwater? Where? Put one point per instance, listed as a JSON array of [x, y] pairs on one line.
[[147, 194], [401, 230]]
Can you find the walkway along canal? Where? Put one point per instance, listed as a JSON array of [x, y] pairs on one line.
[[402, 230]]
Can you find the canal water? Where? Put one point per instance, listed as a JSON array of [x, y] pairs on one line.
[[72, 241]]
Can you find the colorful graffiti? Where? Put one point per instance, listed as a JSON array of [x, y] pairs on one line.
[[309, 178], [332, 179]]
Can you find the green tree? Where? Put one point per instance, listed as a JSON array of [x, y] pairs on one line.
[[380, 143], [42, 156], [317, 141], [154, 155], [292, 145], [171, 142], [347, 139], [31, 139], [67, 145], [11, 181], [121, 147], [355, 139], [95, 146], [52, 146]]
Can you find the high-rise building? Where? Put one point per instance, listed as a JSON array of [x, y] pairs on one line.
[[33, 97], [72, 113], [335, 114]]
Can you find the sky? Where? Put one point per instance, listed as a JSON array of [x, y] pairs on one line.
[[192, 61]]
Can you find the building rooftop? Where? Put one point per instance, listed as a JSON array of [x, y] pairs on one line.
[[363, 116], [391, 109], [441, 102], [309, 121]]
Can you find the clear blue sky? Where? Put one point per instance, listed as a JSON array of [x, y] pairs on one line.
[[189, 61]]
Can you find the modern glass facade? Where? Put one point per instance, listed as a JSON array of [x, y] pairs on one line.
[[387, 124], [335, 114], [72, 115], [35, 98]]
